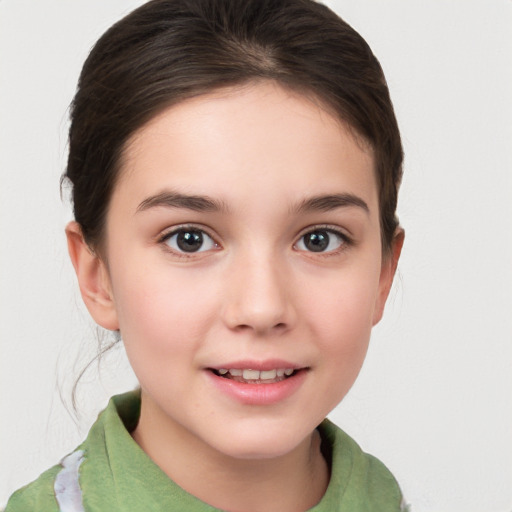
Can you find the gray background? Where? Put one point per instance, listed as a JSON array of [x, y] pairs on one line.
[[434, 400]]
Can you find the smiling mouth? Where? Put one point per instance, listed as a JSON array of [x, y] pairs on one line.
[[249, 376]]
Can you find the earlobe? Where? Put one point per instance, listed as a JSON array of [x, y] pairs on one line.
[[93, 279], [387, 274]]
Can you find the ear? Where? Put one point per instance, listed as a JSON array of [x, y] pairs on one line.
[[93, 279], [387, 273]]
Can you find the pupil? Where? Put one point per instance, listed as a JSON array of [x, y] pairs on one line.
[[317, 241], [190, 241]]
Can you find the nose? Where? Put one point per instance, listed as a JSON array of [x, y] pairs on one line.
[[259, 295]]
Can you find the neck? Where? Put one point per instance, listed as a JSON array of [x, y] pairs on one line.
[[292, 482]]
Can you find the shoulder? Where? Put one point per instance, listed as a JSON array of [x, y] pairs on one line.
[[60, 487], [38, 496], [360, 480]]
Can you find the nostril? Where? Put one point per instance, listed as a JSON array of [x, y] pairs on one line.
[[281, 326], [243, 327]]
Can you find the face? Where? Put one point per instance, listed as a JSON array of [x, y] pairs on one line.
[[244, 266]]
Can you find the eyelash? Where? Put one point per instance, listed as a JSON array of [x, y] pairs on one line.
[[346, 241], [166, 236]]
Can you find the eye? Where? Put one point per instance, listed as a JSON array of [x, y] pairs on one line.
[[189, 240], [321, 240]]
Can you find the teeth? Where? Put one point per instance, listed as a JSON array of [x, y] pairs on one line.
[[249, 374], [271, 374]]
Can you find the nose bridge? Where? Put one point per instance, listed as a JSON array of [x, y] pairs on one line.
[[259, 293]]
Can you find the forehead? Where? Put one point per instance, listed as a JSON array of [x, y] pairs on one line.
[[252, 138]]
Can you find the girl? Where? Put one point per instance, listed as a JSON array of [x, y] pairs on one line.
[[235, 167]]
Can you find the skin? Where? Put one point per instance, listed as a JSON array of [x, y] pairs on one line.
[[255, 292]]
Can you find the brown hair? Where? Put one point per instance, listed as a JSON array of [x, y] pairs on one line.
[[169, 50]]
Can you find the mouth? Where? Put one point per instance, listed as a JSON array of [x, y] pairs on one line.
[[258, 383], [251, 376]]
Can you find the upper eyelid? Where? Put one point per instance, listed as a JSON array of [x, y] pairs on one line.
[[168, 232], [347, 241], [165, 234], [326, 227]]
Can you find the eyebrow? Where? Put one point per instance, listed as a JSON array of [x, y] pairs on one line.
[[170, 199], [325, 203]]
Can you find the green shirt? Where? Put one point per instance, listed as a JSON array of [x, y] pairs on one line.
[[115, 474]]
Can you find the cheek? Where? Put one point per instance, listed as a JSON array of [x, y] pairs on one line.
[[162, 313], [348, 295], [342, 311], [342, 323]]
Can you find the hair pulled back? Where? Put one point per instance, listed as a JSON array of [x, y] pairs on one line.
[[170, 50]]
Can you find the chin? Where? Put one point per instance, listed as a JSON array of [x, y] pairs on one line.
[[259, 442]]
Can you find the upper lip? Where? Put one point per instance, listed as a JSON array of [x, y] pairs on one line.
[[266, 365]]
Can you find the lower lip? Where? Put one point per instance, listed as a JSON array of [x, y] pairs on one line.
[[259, 394]]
